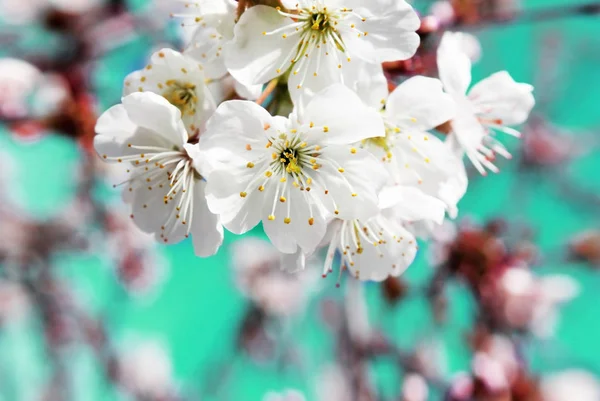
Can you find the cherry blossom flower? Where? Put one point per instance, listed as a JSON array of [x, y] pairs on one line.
[[411, 154], [314, 41], [489, 106], [180, 80], [166, 188], [293, 173], [213, 22], [381, 246]]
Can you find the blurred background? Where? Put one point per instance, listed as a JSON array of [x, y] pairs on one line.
[[502, 305]]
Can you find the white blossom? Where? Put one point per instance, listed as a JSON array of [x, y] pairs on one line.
[[292, 174], [489, 106], [262, 274], [411, 154], [180, 80], [315, 40], [213, 22], [379, 247], [166, 188]]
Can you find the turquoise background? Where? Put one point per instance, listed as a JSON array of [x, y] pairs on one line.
[[196, 310]]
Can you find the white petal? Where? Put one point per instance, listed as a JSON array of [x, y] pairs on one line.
[[114, 129], [235, 124], [206, 47], [376, 263], [149, 210], [454, 65], [299, 232], [390, 32], [368, 81], [250, 92], [238, 214], [254, 58], [422, 100], [315, 73], [499, 97], [347, 118], [363, 175], [206, 230], [411, 204], [168, 66], [155, 113]]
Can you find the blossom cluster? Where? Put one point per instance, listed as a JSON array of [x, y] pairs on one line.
[[355, 166]]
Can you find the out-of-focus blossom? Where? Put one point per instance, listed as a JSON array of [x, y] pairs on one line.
[[415, 388], [489, 106], [333, 385], [139, 266], [19, 12], [532, 302], [442, 238], [443, 11], [26, 91], [545, 146], [571, 385], [261, 275], [145, 370], [287, 395], [431, 358], [495, 363]]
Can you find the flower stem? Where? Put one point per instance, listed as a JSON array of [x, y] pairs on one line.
[[268, 90]]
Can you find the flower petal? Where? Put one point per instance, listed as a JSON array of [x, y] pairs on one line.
[[354, 191], [153, 112], [420, 102], [501, 100], [368, 81], [253, 57], [411, 204], [346, 118], [206, 230], [454, 66], [114, 129], [376, 263], [388, 31], [238, 214], [305, 229]]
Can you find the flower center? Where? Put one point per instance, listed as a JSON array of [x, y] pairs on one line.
[[319, 21], [291, 156], [181, 95]]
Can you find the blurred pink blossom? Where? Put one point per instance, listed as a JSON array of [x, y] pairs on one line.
[[571, 385]]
